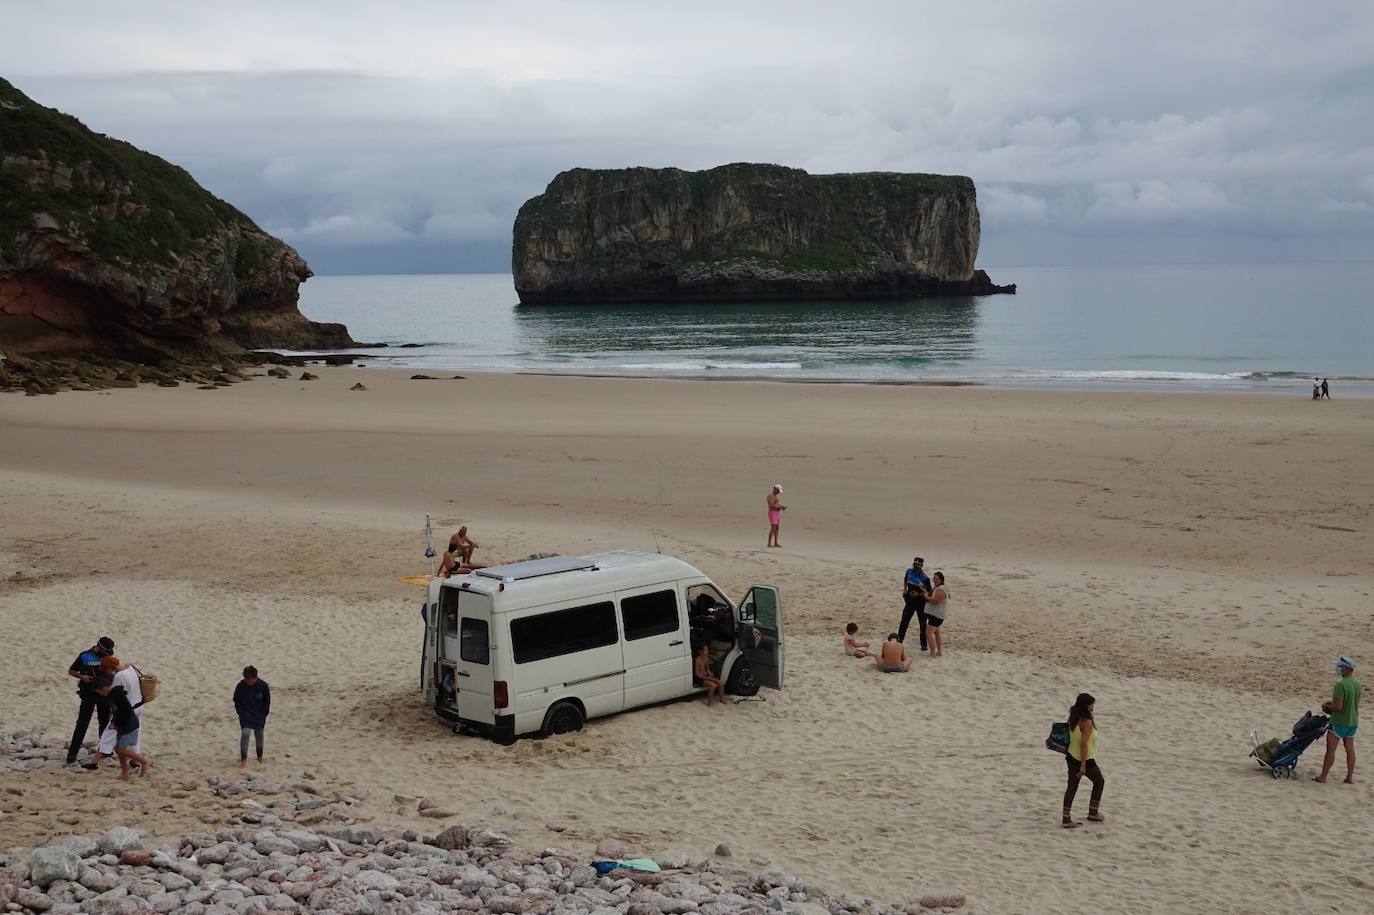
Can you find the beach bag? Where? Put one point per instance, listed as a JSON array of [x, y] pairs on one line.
[[147, 684], [1058, 741], [1269, 749]]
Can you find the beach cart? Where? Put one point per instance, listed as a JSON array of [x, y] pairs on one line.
[[1281, 760]]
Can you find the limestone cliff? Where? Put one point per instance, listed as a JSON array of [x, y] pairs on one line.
[[741, 232], [109, 250]]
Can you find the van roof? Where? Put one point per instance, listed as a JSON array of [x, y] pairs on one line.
[[537, 580]]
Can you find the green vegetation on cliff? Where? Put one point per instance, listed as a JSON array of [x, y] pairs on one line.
[[123, 202]]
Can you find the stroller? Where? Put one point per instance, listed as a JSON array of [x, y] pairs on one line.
[[1281, 760]]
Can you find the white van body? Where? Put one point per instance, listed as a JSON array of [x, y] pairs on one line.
[[543, 645]]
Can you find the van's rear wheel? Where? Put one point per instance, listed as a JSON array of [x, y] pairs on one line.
[[742, 681], [563, 718]]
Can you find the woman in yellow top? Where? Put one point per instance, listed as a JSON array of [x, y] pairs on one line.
[[1082, 759]]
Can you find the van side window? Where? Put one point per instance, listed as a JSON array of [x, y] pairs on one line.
[[448, 611], [475, 646], [548, 635], [650, 614]]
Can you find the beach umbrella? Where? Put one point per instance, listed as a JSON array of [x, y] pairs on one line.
[[429, 543]]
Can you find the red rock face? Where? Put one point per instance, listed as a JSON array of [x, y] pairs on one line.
[[39, 315]]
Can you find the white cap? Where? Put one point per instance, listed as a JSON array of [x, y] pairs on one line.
[[778, 487]]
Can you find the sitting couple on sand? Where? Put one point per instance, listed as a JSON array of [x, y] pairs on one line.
[[891, 657]]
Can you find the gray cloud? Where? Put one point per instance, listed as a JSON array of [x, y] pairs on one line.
[[405, 138]]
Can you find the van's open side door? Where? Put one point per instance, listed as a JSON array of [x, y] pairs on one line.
[[760, 639]]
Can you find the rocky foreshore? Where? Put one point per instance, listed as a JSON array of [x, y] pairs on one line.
[[269, 860], [366, 871]]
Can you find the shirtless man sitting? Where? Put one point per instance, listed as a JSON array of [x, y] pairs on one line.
[[893, 658], [463, 545]]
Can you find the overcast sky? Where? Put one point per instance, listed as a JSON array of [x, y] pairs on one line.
[[402, 137]]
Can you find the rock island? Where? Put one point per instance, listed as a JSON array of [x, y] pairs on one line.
[[746, 232]]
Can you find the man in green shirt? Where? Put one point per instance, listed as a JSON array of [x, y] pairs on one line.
[[1344, 709]]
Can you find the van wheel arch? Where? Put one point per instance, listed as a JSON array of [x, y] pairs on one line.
[[564, 717]]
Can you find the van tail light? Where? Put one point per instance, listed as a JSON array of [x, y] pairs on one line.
[[501, 694]]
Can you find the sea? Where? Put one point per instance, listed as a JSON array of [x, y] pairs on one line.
[[1222, 327]]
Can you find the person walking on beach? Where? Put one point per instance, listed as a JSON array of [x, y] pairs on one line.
[[1326, 390], [124, 719], [1082, 759], [126, 676], [915, 587], [1316, 390], [775, 510], [893, 659], [253, 702], [85, 669], [936, 612], [1344, 709]]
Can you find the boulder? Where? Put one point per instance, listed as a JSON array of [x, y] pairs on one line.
[[53, 863]]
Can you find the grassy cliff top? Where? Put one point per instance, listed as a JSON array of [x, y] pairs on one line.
[[176, 211]]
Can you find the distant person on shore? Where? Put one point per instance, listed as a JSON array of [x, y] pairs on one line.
[[915, 588], [1082, 759], [85, 669], [124, 719], [892, 659], [852, 646], [1326, 390], [775, 510], [1344, 709], [701, 670], [463, 545], [124, 675], [936, 612], [253, 702], [1316, 389]]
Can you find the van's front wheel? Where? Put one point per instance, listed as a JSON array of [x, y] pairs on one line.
[[742, 681], [563, 718]]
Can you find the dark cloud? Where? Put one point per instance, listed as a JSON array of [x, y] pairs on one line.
[[404, 139]]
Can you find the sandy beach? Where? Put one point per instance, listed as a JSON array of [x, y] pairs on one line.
[[1193, 560]]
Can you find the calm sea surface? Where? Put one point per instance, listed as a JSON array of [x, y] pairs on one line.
[[1250, 327]]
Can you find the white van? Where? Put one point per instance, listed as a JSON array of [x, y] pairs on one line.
[[542, 645]]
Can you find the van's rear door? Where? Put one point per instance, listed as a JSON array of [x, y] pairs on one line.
[[658, 658], [476, 654], [760, 637]]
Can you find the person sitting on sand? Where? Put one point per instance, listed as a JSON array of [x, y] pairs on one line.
[[852, 646], [892, 659], [463, 544], [701, 671], [936, 612], [1082, 759], [125, 721]]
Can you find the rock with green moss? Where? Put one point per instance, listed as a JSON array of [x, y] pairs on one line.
[[741, 232], [107, 249]]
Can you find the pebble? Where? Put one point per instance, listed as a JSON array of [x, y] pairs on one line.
[[723, 851]]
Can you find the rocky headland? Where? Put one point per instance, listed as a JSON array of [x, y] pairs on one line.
[[110, 254], [747, 232]]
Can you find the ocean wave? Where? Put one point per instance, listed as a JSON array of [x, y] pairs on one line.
[[1136, 375], [695, 366]]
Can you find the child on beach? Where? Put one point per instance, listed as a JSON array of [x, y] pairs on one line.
[[852, 646], [701, 669], [253, 702]]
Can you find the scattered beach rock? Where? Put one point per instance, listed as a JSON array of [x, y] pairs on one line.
[[53, 863], [277, 371], [309, 376], [723, 851], [423, 378], [453, 838], [359, 387]]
